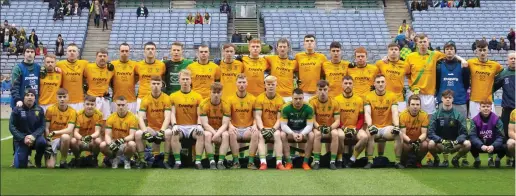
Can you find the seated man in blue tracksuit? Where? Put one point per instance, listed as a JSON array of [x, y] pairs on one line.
[[487, 135], [27, 124]]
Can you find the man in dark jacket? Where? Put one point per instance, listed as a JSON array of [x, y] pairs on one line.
[[142, 11], [27, 124], [25, 75], [493, 44], [511, 36], [487, 135]]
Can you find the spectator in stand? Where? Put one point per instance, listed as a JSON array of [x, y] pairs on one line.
[[33, 38], [198, 18], [502, 45], [69, 8], [105, 16], [6, 83], [471, 3], [236, 37], [111, 9], [225, 8], [207, 18], [474, 45], [142, 11], [76, 10], [511, 36], [4, 35], [424, 5], [59, 46], [5, 3], [414, 5], [96, 9], [484, 38], [41, 50], [403, 27], [400, 39], [410, 34], [493, 44], [22, 33], [84, 4], [190, 19], [450, 3], [20, 45], [248, 37], [11, 50]]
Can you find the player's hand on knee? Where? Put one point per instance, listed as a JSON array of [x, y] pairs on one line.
[[113, 146], [51, 134], [415, 145], [148, 136], [350, 132], [396, 130], [87, 139], [160, 136], [175, 130], [199, 130], [324, 129], [267, 133], [373, 130]]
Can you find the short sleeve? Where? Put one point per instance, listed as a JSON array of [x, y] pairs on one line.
[[513, 117], [73, 117], [425, 122], [402, 120], [439, 55], [310, 113], [217, 73], [204, 108], [99, 120], [360, 104], [407, 67], [284, 113], [166, 103], [109, 122], [367, 101], [226, 109], [143, 105], [78, 122], [258, 103], [48, 115], [499, 68], [266, 64], [171, 98], [199, 99], [134, 123], [336, 109]]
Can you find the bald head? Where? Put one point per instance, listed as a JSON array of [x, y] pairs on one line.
[[511, 59]]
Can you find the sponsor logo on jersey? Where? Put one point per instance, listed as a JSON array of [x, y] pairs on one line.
[[186, 106]]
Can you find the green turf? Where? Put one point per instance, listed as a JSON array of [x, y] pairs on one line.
[[462, 181]]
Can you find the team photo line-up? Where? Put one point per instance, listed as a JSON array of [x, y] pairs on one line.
[[272, 102]]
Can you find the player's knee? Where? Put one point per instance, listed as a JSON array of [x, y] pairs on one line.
[[431, 144], [97, 141], [168, 133], [131, 144], [225, 135], [283, 135], [334, 133], [510, 143], [277, 134], [103, 145], [208, 135], [138, 134], [73, 142], [466, 145]]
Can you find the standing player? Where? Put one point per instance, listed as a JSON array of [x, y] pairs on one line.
[[155, 107], [50, 83], [73, 73], [173, 66], [242, 126], [297, 124], [267, 115], [327, 121], [86, 135], [351, 108], [381, 116], [229, 69], [395, 71], [363, 74], [204, 72], [60, 120], [309, 66], [185, 119], [215, 113], [25, 74], [335, 70], [119, 136], [487, 135], [511, 141], [414, 125], [98, 75], [255, 67], [124, 80], [283, 69], [147, 68]]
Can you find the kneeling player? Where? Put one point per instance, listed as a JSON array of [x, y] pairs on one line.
[[414, 125], [487, 135], [447, 132], [267, 115], [297, 124], [511, 142], [185, 120], [119, 137], [60, 123], [327, 120], [86, 136], [214, 114]]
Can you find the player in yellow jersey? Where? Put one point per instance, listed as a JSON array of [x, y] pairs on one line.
[[146, 68], [98, 75], [283, 68], [267, 113], [351, 109], [204, 72], [395, 71], [72, 73], [327, 122], [229, 69], [242, 126], [155, 107], [185, 120], [381, 116], [49, 84], [309, 66], [483, 72], [363, 74], [335, 69], [511, 141], [60, 121], [86, 135], [119, 135], [124, 80], [215, 116], [414, 124], [255, 67]]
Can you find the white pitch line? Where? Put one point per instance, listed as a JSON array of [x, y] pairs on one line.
[[6, 138]]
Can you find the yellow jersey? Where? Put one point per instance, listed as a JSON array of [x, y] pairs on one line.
[[87, 124], [154, 109], [482, 78], [413, 124], [283, 70], [309, 68], [49, 87], [72, 79], [185, 105], [324, 112], [512, 118], [242, 110], [350, 108], [228, 77], [145, 71], [381, 114], [269, 107], [59, 119], [121, 126], [394, 76], [203, 76], [214, 113], [334, 73], [98, 79], [417, 63], [124, 81], [254, 70], [363, 79]]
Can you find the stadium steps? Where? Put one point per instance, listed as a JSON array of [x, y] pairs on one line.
[[328, 4], [183, 4], [246, 25], [95, 39], [395, 12]]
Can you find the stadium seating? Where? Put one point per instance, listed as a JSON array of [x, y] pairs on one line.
[[73, 29], [164, 28], [136, 3], [360, 4], [260, 3]]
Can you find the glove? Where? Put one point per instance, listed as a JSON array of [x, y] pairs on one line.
[[160, 136], [85, 87], [87, 139], [449, 145], [324, 129], [51, 134], [107, 96], [267, 133], [43, 72], [110, 66], [415, 145], [350, 132], [120, 141], [238, 58], [372, 88], [198, 129], [114, 147], [416, 91], [396, 130], [48, 148], [148, 136], [372, 130]]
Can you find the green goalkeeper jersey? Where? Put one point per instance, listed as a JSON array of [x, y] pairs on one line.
[[172, 74], [296, 119]]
